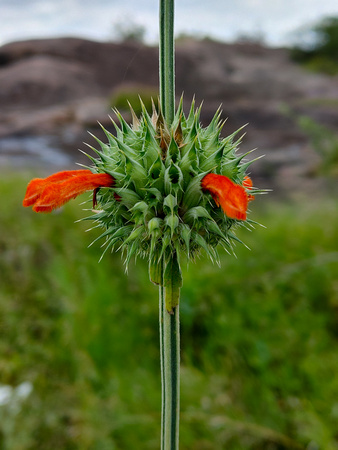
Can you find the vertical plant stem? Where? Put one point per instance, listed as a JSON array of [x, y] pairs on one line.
[[167, 60], [170, 374], [169, 290], [161, 309]]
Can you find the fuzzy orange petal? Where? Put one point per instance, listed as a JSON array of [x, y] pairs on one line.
[[46, 194], [235, 202], [37, 185], [57, 194], [247, 183], [231, 196]]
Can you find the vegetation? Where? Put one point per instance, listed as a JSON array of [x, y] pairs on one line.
[[322, 139], [318, 46], [259, 337], [130, 95], [128, 31], [324, 142]]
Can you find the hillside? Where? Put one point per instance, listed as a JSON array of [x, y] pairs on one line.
[[60, 88]]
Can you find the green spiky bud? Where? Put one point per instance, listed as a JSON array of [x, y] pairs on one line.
[[157, 208]]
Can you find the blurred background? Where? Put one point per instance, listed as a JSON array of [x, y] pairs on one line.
[[79, 346]]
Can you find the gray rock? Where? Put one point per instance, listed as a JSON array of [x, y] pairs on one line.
[[62, 87]]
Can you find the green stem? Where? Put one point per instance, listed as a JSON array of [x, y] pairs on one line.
[[170, 276], [161, 310], [170, 374], [167, 60]]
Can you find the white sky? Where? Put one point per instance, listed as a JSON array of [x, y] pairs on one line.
[[221, 19]]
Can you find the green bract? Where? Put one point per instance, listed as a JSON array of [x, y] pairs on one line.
[[156, 208]]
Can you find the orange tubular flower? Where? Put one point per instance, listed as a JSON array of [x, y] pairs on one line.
[[46, 194], [247, 183], [232, 197]]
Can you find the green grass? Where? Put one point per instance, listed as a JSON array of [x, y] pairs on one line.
[[259, 336]]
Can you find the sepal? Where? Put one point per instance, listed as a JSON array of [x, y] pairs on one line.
[[155, 271], [172, 281]]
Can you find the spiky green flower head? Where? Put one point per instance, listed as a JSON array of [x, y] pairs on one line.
[[157, 208]]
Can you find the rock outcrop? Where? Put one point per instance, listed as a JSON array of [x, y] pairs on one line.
[[61, 87]]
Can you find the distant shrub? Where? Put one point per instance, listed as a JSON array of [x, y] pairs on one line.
[[324, 142], [322, 139], [133, 94], [318, 46], [128, 31]]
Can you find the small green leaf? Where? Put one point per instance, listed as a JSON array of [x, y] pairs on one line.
[[153, 196], [172, 222], [170, 201], [173, 151], [212, 161], [128, 197], [167, 181], [195, 213], [135, 234], [193, 193], [172, 281], [210, 251], [185, 232], [154, 224], [155, 271], [166, 243], [140, 206], [212, 226]]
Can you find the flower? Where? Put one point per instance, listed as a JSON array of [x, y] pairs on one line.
[[232, 197], [158, 205], [247, 183], [46, 194]]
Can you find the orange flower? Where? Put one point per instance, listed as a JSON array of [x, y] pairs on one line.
[[46, 194], [247, 183], [232, 197]]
